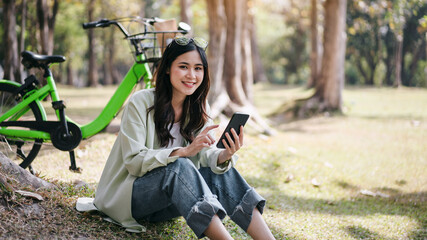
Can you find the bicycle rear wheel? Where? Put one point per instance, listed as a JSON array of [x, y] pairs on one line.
[[23, 150]]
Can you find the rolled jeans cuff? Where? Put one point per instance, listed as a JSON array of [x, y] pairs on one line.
[[201, 214], [242, 214]]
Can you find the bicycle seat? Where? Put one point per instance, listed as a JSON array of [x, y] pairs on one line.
[[30, 59]]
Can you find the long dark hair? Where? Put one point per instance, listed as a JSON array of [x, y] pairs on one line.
[[194, 114]]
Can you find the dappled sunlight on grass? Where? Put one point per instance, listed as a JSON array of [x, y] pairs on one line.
[[91, 156], [386, 103]]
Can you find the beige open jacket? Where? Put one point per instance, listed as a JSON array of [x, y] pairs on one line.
[[135, 152]]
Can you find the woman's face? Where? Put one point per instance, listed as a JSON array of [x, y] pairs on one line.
[[186, 74]]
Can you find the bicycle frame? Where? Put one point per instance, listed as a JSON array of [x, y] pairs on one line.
[[139, 69]]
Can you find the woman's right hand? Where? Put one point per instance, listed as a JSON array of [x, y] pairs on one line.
[[204, 139]]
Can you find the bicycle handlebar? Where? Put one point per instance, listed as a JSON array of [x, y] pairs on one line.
[[147, 35], [182, 27], [100, 23]]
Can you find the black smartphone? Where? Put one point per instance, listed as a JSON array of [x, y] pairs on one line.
[[237, 120]]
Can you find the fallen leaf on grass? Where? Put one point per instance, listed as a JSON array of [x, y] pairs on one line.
[[292, 150], [367, 193], [415, 123], [289, 178], [30, 194], [329, 165], [383, 195], [315, 183], [80, 184], [373, 194]]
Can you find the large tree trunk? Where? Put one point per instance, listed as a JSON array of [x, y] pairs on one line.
[[10, 44], [233, 54], [217, 35], [92, 71], [328, 94], [230, 53]]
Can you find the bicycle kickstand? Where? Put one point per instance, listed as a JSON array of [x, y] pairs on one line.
[[73, 167]]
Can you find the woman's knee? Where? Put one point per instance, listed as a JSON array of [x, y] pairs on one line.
[[182, 163], [182, 167]]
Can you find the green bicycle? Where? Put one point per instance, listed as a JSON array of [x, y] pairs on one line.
[[23, 122]]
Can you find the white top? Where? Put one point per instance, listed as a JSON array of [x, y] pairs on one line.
[[175, 132]]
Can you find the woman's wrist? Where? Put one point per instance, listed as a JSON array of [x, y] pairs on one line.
[[180, 152], [224, 157]]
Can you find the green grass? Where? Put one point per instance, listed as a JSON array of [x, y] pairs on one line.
[[380, 145]]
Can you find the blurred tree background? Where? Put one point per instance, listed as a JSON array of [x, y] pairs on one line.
[[386, 39]]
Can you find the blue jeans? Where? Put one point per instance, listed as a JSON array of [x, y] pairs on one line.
[[180, 189]]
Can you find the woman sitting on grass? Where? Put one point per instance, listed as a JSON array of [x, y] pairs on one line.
[[164, 163]]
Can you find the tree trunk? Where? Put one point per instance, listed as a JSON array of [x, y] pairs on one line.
[[389, 42], [42, 16], [21, 74], [46, 24], [70, 74], [233, 54], [257, 66], [115, 76], [359, 66], [398, 61], [246, 54], [417, 54], [328, 94], [107, 79], [315, 54], [51, 24], [11, 61], [217, 35], [334, 41], [186, 13], [46, 21], [92, 71]]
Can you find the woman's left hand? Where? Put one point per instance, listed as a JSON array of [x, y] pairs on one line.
[[235, 143]]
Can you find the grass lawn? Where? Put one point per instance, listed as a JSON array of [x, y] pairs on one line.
[[362, 175]]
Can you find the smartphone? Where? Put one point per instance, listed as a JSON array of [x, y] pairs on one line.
[[237, 120]]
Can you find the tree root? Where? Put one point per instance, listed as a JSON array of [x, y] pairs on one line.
[[223, 105], [302, 109]]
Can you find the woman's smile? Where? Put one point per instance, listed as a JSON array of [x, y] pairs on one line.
[[189, 84]]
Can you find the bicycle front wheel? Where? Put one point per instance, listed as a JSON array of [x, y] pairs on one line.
[[18, 149]]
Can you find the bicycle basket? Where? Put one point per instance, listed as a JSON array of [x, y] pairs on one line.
[[152, 42]]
